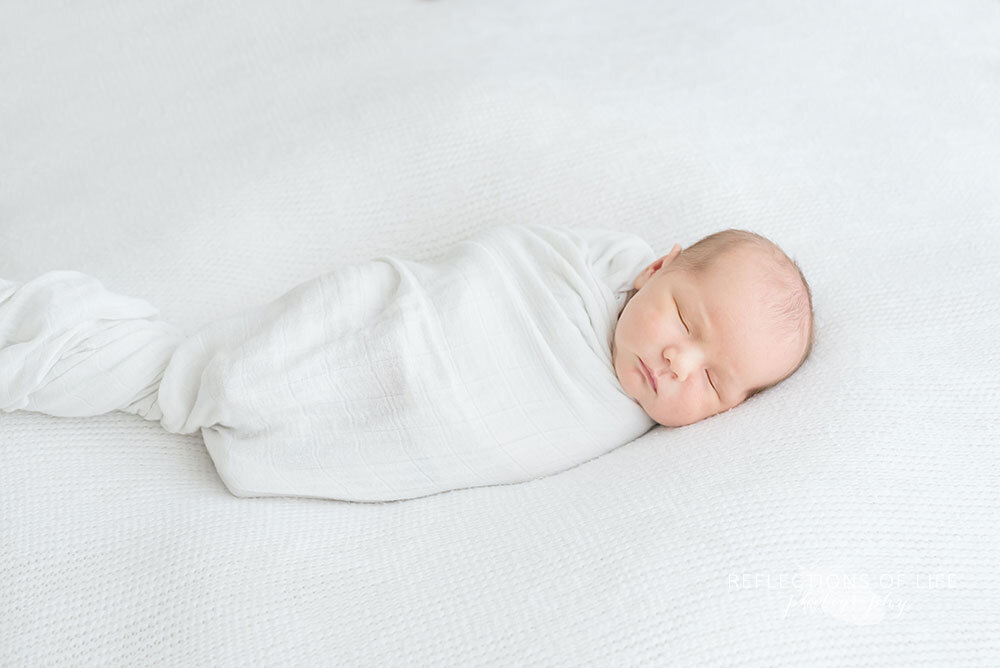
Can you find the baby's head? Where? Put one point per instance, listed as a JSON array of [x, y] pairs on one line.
[[727, 318]]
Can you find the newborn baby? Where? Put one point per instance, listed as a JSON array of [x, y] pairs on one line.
[[524, 351], [710, 327]]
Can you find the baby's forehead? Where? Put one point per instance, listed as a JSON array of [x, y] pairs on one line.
[[726, 291], [738, 267]]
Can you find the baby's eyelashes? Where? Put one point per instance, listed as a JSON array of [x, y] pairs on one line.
[[681, 317]]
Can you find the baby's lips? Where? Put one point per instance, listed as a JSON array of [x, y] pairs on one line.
[[649, 373]]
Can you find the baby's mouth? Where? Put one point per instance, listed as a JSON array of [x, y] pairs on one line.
[[649, 374]]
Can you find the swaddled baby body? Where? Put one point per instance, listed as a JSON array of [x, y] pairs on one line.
[[522, 352]]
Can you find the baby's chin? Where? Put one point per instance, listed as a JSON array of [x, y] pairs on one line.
[[638, 400], [670, 424], [667, 421]]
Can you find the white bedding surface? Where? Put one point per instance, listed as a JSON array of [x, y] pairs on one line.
[[206, 159]]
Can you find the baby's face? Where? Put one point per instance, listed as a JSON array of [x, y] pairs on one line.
[[705, 340]]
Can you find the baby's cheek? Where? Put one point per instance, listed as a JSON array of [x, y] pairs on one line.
[[681, 408]]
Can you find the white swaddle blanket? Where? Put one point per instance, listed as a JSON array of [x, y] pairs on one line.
[[379, 380]]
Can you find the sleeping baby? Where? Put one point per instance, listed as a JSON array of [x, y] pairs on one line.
[[523, 351], [710, 327]]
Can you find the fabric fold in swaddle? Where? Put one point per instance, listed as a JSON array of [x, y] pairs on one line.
[[69, 347], [379, 380]]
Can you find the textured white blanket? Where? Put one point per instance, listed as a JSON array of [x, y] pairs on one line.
[[380, 380], [207, 157]]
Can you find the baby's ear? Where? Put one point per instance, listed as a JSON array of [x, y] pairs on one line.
[[669, 257], [655, 266]]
